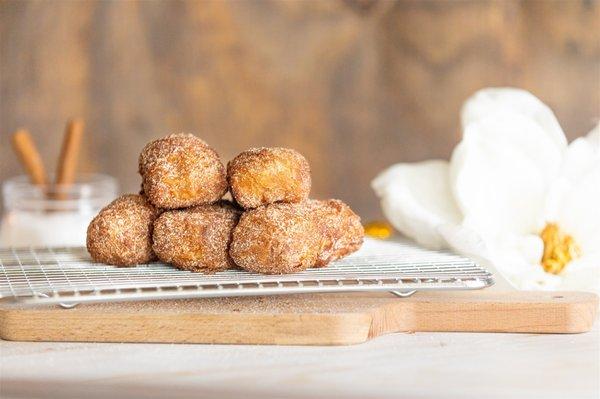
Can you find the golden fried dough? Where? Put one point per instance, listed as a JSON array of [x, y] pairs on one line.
[[276, 238], [286, 238], [263, 176], [121, 233], [196, 238], [181, 170], [340, 230]]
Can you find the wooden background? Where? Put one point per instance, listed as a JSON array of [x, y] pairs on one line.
[[354, 85]]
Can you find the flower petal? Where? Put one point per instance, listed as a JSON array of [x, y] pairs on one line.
[[579, 213], [515, 259], [500, 173], [467, 242], [464, 240], [582, 274], [574, 196], [593, 138], [536, 279], [416, 199], [487, 101]]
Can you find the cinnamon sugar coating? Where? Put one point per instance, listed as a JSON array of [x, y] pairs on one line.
[[196, 238], [340, 230], [263, 176], [273, 239], [121, 232], [287, 238], [181, 170]]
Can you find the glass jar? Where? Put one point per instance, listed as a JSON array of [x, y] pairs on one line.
[[52, 215]]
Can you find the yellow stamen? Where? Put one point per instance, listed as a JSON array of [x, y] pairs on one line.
[[377, 229], [559, 249]]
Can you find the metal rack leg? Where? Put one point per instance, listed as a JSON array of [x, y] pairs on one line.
[[403, 294], [62, 304]]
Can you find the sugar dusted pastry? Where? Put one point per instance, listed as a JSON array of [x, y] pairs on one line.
[[181, 170], [274, 239], [263, 176], [339, 228], [121, 233], [287, 238], [196, 238]]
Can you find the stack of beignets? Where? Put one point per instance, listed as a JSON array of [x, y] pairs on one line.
[[180, 217]]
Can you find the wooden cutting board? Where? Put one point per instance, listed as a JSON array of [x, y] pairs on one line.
[[316, 319]]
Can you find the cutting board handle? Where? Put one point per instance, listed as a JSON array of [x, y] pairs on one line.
[[489, 311]]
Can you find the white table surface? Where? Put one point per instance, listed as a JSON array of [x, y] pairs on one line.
[[418, 365]]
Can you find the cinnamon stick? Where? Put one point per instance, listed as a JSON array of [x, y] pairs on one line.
[[69, 154], [29, 156]]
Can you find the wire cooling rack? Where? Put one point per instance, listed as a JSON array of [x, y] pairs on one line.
[[69, 276]]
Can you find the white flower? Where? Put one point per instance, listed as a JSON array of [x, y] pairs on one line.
[[514, 193]]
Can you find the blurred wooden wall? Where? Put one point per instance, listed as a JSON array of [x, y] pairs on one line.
[[354, 85]]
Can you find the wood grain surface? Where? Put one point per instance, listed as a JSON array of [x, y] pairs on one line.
[[325, 319], [354, 85]]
